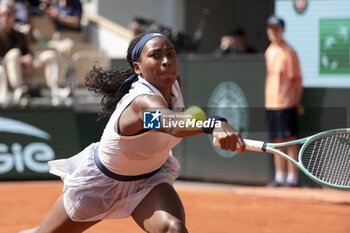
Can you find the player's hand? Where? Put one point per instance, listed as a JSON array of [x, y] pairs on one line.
[[228, 138]]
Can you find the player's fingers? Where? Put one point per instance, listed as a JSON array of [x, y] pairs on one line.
[[223, 144], [233, 147], [224, 141], [240, 144], [233, 143]]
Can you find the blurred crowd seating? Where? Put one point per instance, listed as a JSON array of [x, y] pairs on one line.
[[74, 62], [75, 58]]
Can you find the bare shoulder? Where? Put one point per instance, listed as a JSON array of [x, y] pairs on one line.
[[130, 122], [149, 101]]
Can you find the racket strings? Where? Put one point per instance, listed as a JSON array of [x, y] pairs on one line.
[[328, 159]]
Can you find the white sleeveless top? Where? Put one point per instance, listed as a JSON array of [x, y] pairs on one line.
[[142, 153]]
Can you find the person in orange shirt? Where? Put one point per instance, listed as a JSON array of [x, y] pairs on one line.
[[283, 91]]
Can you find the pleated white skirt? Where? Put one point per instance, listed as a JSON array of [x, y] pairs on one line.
[[90, 195]]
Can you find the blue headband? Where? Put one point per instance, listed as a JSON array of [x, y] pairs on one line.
[[135, 54], [136, 51]]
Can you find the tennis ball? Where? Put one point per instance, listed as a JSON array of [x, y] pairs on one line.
[[194, 112]]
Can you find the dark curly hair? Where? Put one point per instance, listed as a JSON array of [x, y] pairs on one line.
[[106, 82]]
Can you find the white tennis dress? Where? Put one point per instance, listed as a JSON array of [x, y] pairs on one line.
[[89, 194]]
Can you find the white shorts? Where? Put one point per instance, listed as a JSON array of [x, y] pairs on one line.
[[90, 195]]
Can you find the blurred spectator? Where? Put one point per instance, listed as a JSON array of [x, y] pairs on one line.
[[68, 40], [23, 21], [66, 15], [17, 58], [233, 43]]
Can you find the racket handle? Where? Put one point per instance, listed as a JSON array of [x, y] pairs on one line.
[[252, 145]]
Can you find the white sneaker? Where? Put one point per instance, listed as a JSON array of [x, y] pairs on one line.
[[62, 95], [19, 93], [64, 92]]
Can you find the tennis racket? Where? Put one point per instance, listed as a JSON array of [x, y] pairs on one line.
[[324, 157]]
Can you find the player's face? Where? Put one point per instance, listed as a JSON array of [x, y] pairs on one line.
[[274, 33], [158, 63]]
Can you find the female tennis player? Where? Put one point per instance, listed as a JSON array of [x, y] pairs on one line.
[[130, 172]]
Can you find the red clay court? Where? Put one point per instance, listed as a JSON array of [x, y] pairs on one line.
[[210, 208]]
